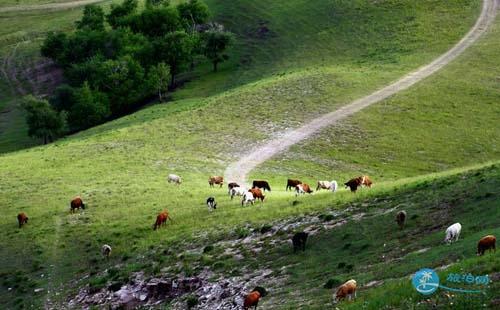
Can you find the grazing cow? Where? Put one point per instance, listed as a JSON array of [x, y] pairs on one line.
[[334, 186], [452, 233], [323, 185], [292, 184], [161, 219], [253, 298], [22, 219], [365, 180], [347, 289], [257, 194], [401, 218], [215, 180], [486, 243], [231, 186], [175, 179], [106, 251], [353, 184], [247, 198], [261, 184], [77, 203], [302, 189], [237, 191], [299, 241], [211, 204]]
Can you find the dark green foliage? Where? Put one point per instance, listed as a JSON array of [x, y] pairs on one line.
[[215, 44], [63, 98], [43, 121], [191, 301], [155, 22], [54, 46], [208, 248], [118, 13], [93, 18], [91, 108], [331, 283], [175, 50], [192, 13]]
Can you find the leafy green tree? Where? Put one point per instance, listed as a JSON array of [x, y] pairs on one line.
[[158, 77], [215, 44], [155, 22], [118, 13], [91, 108], [152, 3], [54, 47], [63, 98], [43, 121], [93, 18], [192, 13], [175, 50]]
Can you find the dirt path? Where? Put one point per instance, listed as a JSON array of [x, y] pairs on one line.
[[237, 171], [48, 6]]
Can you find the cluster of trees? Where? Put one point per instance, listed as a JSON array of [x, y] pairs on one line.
[[115, 62]]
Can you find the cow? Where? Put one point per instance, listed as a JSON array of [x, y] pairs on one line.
[[231, 186], [261, 184], [174, 178], [106, 251], [333, 186], [77, 203], [452, 233], [257, 194], [211, 204], [237, 191], [22, 219], [323, 185], [299, 241], [348, 289], [353, 184], [216, 180], [290, 183], [365, 180], [253, 298], [302, 189], [247, 198], [161, 219], [486, 243], [401, 219]]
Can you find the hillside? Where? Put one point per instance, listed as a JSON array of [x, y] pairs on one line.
[[314, 57]]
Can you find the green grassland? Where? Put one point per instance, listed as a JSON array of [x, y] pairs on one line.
[[306, 65]]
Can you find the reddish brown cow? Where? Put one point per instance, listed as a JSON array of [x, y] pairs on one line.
[[77, 203], [366, 181], [486, 243], [22, 219], [353, 184], [290, 183], [257, 194], [215, 180], [347, 289], [161, 219], [252, 299]]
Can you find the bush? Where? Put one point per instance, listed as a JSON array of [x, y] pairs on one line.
[[331, 283], [191, 301]]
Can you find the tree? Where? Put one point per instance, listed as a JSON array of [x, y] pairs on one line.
[[158, 77], [91, 108], [118, 13], [192, 13], [54, 47], [93, 18], [43, 121], [175, 50], [155, 22], [215, 43], [152, 3]]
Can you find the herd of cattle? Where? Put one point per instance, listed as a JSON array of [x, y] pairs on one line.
[[346, 290]]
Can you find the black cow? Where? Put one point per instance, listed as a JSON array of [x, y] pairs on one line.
[[299, 241], [261, 184]]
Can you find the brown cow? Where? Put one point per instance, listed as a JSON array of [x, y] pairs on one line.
[[257, 194], [22, 218], [252, 299], [366, 181], [161, 219], [261, 184], [77, 203], [353, 184], [486, 243], [290, 183], [347, 289], [302, 189], [401, 218], [215, 180]]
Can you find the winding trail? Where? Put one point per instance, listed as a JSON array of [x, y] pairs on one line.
[[237, 171], [48, 6]]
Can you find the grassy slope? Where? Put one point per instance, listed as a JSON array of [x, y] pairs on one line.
[[120, 167], [449, 120]]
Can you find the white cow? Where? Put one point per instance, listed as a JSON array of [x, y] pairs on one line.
[[248, 198], [333, 186], [106, 250], [323, 185], [174, 178], [237, 191], [452, 233]]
